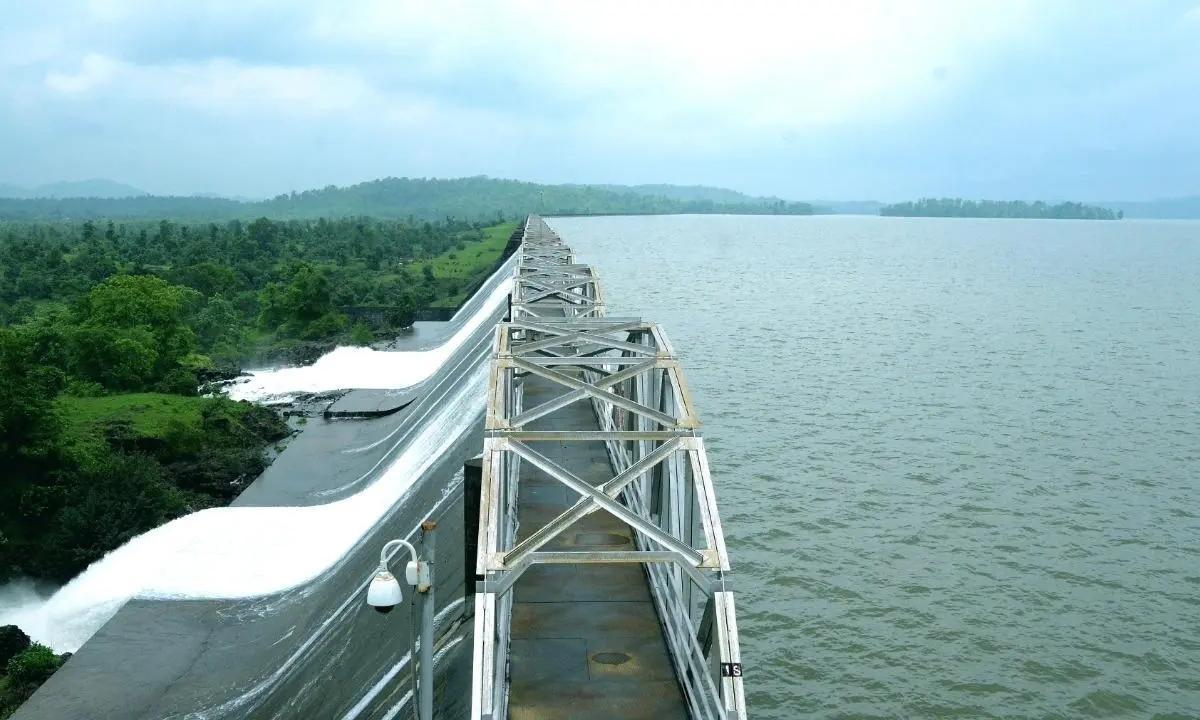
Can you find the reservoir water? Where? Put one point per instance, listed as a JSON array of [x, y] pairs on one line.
[[957, 460]]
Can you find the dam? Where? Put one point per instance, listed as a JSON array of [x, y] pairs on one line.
[[581, 572]]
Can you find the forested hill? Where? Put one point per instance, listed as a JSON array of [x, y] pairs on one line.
[[706, 193], [469, 199], [957, 207]]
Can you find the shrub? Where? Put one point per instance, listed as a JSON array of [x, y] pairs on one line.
[[32, 666], [361, 334], [325, 326]]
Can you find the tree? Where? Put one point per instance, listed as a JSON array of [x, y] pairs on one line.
[[360, 334], [309, 294], [264, 237], [274, 308], [957, 207], [304, 307], [218, 327], [209, 278], [133, 331], [133, 300], [117, 358], [29, 425]]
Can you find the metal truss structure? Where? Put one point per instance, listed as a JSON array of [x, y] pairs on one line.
[[661, 486]]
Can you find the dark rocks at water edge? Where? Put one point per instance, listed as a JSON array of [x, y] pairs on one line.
[[300, 353], [218, 373]]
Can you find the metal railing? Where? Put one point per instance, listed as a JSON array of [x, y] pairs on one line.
[[661, 486]]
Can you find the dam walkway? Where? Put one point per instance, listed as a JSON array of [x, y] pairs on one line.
[[603, 588]]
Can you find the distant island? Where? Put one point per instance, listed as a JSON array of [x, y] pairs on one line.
[[957, 207], [470, 199]]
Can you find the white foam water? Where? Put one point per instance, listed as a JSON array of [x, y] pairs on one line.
[[359, 367], [240, 552]]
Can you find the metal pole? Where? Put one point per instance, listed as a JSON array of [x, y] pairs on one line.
[[425, 689]]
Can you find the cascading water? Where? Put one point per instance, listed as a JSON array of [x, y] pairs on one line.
[[360, 367], [241, 552]]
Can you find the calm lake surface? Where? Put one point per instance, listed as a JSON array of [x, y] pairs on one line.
[[957, 460]]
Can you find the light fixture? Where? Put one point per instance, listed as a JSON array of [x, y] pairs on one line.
[[383, 594]]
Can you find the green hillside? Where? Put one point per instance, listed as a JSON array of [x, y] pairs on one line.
[[471, 199]]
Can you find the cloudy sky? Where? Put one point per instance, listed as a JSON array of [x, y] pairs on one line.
[[1055, 99]]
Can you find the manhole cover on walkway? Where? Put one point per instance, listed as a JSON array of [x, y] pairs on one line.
[[611, 658]]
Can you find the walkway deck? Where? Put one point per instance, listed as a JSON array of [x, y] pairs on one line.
[[586, 641]]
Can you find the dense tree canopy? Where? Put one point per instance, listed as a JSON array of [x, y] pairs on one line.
[[146, 295]]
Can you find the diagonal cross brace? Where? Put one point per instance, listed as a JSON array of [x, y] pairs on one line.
[[611, 397], [544, 292], [585, 505], [576, 395], [556, 296], [576, 483]]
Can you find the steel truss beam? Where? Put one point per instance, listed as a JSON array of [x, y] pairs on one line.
[[661, 485]]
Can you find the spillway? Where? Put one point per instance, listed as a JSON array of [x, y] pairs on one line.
[[248, 610]]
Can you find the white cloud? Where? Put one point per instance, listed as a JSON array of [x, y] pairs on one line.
[[220, 85], [751, 65], [95, 71]]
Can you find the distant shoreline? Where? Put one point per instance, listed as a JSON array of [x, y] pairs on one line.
[[957, 207]]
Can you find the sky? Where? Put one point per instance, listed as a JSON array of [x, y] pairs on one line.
[[1054, 100]]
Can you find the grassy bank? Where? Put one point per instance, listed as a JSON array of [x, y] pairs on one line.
[[444, 280], [152, 417], [455, 271]]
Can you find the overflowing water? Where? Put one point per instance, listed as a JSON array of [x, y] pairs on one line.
[[360, 367], [958, 462]]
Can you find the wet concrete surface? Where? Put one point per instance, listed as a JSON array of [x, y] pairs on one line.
[[316, 651], [370, 403]]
